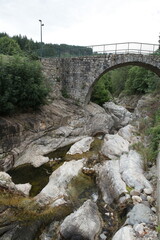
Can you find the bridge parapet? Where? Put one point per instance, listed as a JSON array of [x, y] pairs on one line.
[[126, 47]]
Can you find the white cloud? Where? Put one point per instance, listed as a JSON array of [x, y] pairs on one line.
[[82, 22]]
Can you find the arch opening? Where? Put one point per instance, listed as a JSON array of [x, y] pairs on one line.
[[150, 80]]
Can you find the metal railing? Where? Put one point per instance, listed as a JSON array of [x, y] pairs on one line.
[[67, 51], [126, 47]]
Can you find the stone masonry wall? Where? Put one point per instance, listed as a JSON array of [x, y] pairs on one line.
[[77, 76]]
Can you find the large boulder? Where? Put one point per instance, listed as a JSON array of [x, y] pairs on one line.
[[109, 181], [85, 223], [114, 146], [131, 169], [81, 146], [124, 233], [57, 187], [140, 214], [120, 115], [99, 120]]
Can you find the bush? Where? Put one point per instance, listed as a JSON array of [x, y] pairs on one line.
[[155, 134], [21, 84], [141, 81], [9, 46], [101, 91]]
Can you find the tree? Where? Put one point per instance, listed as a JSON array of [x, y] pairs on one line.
[[101, 91], [9, 46], [21, 85], [118, 79]]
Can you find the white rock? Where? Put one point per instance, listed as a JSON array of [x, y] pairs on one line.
[[6, 181], [139, 228], [148, 191], [119, 114], [81, 146], [150, 199], [136, 199], [154, 209], [58, 202], [131, 168], [139, 214], [103, 236], [58, 182], [109, 180], [124, 198], [100, 120], [24, 188], [125, 233], [129, 133], [83, 223], [114, 146], [34, 154]]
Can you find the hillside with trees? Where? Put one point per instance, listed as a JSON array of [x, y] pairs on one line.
[[33, 49]]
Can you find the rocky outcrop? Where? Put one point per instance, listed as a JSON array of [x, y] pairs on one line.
[[146, 105], [100, 121], [53, 126], [120, 115], [85, 223]]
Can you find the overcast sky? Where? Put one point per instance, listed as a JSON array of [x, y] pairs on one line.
[[82, 22]]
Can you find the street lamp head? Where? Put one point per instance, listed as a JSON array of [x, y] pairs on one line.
[[40, 20]]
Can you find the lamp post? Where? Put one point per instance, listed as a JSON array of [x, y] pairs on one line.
[[159, 41], [41, 25]]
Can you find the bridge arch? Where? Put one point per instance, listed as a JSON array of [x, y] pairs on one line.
[[78, 75], [139, 64]]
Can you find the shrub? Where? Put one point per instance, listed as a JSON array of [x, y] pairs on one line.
[[101, 90], [9, 46], [21, 84]]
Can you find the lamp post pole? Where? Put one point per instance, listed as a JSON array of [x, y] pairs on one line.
[[41, 25]]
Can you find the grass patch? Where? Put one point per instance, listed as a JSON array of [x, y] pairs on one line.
[[25, 209]]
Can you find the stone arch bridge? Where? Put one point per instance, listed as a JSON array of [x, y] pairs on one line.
[[75, 77]]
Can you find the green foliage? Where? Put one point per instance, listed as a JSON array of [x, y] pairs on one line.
[[33, 49], [26, 209], [64, 93], [101, 90], [155, 134], [136, 82], [141, 81], [118, 79], [21, 84], [9, 46], [158, 228]]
